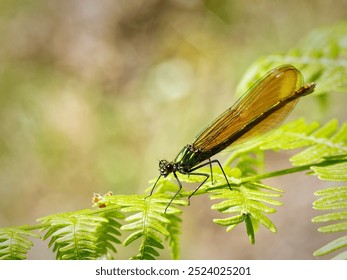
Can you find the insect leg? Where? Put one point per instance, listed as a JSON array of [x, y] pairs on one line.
[[210, 163], [203, 182], [180, 187], [153, 187], [221, 168]]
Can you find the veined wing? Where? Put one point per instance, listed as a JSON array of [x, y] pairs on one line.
[[275, 87]]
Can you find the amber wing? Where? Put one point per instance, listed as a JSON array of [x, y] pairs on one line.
[[274, 87]]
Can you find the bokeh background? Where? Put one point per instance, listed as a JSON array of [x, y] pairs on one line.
[[94, 93]]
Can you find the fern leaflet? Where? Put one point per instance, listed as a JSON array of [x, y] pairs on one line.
[[14, 244], [82, 235], [332, 199], [322, 142], [149, 223], [248, 204]]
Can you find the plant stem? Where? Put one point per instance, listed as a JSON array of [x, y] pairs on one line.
[[327, 161], [276, 173]]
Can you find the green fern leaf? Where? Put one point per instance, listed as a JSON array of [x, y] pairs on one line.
[[86, 234], [336, 216], [328, 145], [323, 147], [247, 203], [14, 244], [321, 142], [250, 228], [108, 232], [335, 172], [174, 228], [332, 199], [334, 228], [292, 135], [332, 246], [341, 256], [250, 163], [149, 223]]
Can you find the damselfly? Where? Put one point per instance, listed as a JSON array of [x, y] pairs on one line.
[[261, 109]]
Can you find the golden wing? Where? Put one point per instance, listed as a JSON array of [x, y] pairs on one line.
[[278, 85]]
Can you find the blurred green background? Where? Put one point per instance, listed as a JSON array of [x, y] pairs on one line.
[[94, 93]]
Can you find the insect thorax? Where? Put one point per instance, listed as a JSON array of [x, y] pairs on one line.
[[183, 162]]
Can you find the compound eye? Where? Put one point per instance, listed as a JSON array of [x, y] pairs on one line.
[[165, 167], [163, 171]]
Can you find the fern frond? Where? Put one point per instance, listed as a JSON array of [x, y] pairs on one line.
[[323, 146], [325, 154], [174, 228], [334, 172], [109, 231], [249, 204], [322, 142], [321, 56], [149, 223], [332, 199], [251, 163], [333, 246], [86, 234], [14, 244]]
